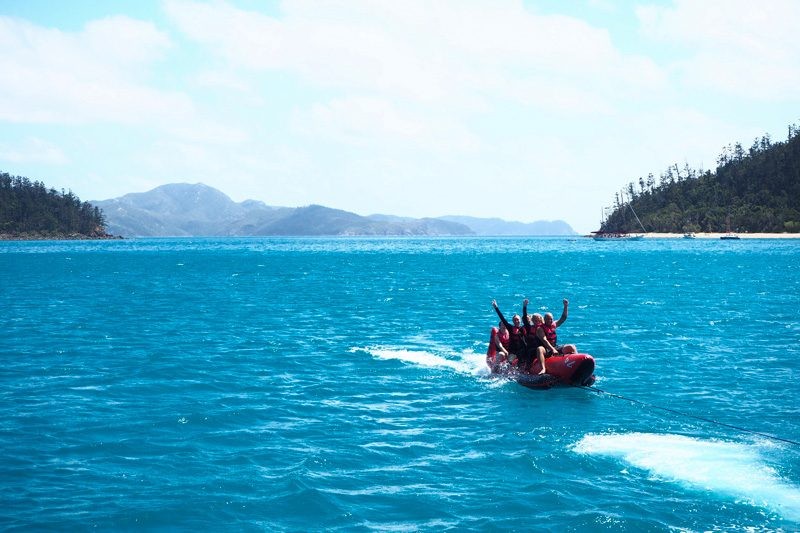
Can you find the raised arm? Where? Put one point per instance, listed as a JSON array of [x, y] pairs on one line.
[[502, 318], [525, 319], [563, 313]]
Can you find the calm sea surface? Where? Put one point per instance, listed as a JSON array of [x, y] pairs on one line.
[[338, 384]]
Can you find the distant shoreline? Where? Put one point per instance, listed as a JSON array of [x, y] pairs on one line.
[[717, 235], [56, 237], [78, 237]]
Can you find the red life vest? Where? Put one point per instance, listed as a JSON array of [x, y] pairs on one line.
[[530, 336], [516, 340], [550, 333], [505, 340]]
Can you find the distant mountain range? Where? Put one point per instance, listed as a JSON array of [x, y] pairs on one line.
[[190, 210]]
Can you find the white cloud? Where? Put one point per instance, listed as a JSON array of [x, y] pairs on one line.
[[32, 150], [416, 94], [369, 121], [121, 43], [749, 49], [208, 132], [224, 81], [453, 52], [51, 76]]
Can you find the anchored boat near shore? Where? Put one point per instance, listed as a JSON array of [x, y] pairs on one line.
[[618, 235], [611, 236]]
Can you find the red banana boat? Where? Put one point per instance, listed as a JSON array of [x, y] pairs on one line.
[[575, 369]]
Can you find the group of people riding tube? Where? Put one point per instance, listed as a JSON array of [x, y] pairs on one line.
[[517, 346]]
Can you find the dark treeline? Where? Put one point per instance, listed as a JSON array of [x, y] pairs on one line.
[[753, 190], [30, 209]]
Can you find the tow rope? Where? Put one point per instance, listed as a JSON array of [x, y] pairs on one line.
[[688, 415]]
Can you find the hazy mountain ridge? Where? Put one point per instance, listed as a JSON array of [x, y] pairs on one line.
[[497, 226], [183, 210]]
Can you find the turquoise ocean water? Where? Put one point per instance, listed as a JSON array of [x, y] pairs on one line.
[[338, 385]]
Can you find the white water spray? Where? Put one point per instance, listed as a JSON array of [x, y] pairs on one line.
[[466, 362], [731, 469]]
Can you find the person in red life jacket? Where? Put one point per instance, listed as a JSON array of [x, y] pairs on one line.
[[533, 342], [516, 335], [497, 355], [549, 334], [543, 347]]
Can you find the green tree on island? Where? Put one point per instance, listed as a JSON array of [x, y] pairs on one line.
[[31, 210], [753, 191]]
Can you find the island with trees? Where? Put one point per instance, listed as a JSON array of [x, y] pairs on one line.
[[753, 190], [29, 210]]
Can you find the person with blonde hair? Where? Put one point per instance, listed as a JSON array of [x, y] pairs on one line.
[[533, 340]]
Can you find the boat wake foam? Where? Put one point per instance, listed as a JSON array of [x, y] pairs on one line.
[[733, 469], [467, 362]]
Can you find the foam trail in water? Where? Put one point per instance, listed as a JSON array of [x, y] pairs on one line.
[[728, 468], [465, 363]]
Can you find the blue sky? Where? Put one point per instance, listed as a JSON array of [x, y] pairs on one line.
[[527, 111]]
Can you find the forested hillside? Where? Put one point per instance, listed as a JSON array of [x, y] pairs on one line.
[[752, 190], [31, 210]]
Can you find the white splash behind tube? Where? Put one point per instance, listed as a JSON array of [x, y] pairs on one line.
[[464, 363], [728, 468]]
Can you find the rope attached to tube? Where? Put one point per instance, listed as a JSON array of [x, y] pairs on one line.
[[687, 415]]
